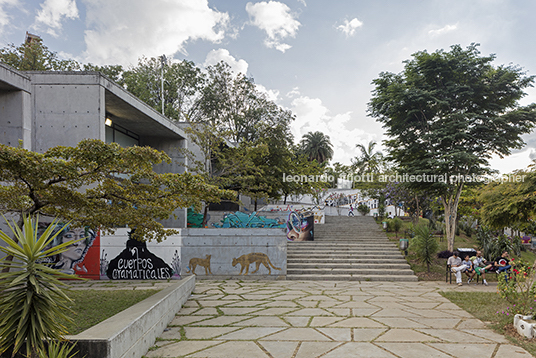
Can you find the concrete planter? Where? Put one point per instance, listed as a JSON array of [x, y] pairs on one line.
[[525, 325]]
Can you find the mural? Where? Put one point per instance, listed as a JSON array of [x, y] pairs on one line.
[[300, 226], [256, 257], [135, 262], [80, 258], [319, 214], [195, 261]]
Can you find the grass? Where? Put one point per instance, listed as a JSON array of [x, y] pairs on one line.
[[484, 306], [95, 306]]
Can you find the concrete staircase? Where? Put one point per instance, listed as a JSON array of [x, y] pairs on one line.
[[347, 248]]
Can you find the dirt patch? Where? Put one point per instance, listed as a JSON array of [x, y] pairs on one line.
[[430, 276]]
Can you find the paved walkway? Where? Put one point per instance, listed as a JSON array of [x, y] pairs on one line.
[[292, 319]]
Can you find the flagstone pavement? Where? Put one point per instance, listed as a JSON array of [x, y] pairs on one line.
[[292, 319]]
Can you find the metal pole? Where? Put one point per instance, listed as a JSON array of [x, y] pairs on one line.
[[163, 61]]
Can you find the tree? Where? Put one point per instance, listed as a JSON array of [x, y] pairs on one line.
[[510, 203], [183, 83], [34, 56], [446, 114], [99, 185], [317, 146], [424, 244], [369, 161], [363, 209]]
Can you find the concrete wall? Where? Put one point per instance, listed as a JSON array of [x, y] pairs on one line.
[[224, 245], [68, 109]]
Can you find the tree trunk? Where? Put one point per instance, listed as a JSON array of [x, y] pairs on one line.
[[285, 201], [450, 203], [255, 204], [418, 209], [205, 215]]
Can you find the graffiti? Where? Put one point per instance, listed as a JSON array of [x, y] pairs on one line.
[[195, 261], [78, 258], [256, 257], [136, 262], [242, 220], [300, 226], [176, 264]]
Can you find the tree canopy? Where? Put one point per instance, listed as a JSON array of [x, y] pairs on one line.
[[317, 146], [447, 113], [99, 185]]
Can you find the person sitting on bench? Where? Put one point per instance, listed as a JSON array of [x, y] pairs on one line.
[[480, 266], [455, 263], [470, 271], [502, 264]]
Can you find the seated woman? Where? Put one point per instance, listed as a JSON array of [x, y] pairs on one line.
[[481, 266]]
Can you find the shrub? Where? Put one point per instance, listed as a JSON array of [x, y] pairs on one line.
[[520, 290], [493, 245], [424, 245], [445, 254], [363, 209], [397, 225], [32, 300]]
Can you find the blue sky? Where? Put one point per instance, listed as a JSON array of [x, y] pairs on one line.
[[315, 57]]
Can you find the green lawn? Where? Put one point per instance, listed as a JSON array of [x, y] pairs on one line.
[[489, 307], [95, 306]]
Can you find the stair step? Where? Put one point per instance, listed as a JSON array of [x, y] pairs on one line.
[[401, 278], [363, 271], [350, 265]]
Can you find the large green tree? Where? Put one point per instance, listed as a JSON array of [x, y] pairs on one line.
[[317, 146], [447, 113], [99, 185]]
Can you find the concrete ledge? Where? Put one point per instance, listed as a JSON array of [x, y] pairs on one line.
[[133, 331]]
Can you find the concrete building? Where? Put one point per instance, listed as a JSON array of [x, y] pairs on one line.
[[47, 109]]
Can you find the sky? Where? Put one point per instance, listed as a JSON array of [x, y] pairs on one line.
[[314, 57]]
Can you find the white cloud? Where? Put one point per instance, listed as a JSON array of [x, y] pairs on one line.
[[272, 95], [121, 31], [312, 116], [215, 56], [443, 30], [302, 2], [276, 20], [4, 17], [349, 27], [52, 13]]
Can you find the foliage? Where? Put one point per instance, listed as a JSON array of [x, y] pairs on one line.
[[101, 185], [519, 290], [316, 146], [424, 245], [58, 350], [31, 297], [509, 203], [493, 245], [445, 254], [446, 114], [363, 209], [34, 56], [467, 225], [397, 224], [369, 161], [183, 85]]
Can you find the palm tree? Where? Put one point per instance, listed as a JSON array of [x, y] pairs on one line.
[[368, 162], [316, 145]]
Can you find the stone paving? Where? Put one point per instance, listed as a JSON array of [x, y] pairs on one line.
[[292, 319]]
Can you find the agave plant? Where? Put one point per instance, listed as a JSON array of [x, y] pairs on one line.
[[32, 298], [58, 350]]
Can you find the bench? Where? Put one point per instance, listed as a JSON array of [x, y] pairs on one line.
[[449, 273]]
